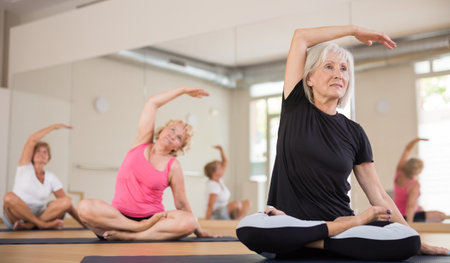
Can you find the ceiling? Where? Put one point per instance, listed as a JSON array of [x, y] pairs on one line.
[[268, 38]]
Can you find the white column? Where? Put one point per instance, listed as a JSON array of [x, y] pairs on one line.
[[4, 130]]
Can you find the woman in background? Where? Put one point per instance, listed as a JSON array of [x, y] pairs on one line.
[[407, 188], [27, 207], [218, 194]]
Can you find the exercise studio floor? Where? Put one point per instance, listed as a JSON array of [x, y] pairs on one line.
[[168, 252]]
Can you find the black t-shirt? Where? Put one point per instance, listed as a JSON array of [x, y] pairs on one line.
[[316, 153]]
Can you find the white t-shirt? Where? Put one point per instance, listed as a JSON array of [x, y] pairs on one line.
[[219, 188], [34, 193]]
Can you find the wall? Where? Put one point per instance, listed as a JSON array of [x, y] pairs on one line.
[[240, 135], [388, 133], [39, 99], [25, 120], [80, 34], [4, 132]]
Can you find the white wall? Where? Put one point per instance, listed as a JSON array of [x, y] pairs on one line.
[[4, 132], [39, 99], [241, 148], [388, 133], [80, 34], [31, 112]]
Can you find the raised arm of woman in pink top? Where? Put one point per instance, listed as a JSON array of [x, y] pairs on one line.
[[407, 152], [146, 126]]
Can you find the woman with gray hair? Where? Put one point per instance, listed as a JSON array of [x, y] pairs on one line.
[[317, 149]]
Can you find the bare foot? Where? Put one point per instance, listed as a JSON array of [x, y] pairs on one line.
[[20, 225], [55, 224], [148, 223], [118, 235]]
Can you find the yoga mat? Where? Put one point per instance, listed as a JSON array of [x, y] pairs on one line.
[[241, 259], [94, 240], [64, 229]]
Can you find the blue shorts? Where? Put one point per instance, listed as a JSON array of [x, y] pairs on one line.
[[221, 214]]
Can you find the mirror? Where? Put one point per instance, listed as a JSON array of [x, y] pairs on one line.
[[86, 158]]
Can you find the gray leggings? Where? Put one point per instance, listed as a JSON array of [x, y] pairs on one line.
[[284, 235]]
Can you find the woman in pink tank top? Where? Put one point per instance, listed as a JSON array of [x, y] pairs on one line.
[[137, 212], [407, 188]]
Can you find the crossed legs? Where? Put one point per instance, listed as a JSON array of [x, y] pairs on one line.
[[283, 234], [107, 222], [22, 217]]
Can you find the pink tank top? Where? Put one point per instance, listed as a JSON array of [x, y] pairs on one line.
[[401, 196], [139, 185]]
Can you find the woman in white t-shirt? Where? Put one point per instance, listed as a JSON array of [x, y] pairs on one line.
[[218, 194], [26, 206]]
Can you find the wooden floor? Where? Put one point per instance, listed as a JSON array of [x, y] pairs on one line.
[[76, 252]]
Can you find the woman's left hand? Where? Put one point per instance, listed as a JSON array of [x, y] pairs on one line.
[[195, 92], [368, 36], [431, 250]]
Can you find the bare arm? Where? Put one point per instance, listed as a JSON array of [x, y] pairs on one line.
[[209, 209], [27, 153], [223, 156], [147, 119], [407, 152], [308, 37], [368, 180], [367, 177], [413, 197], [179, 194]]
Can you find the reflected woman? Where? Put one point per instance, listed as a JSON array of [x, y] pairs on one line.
[[407, 188], [26, 206], [218, 194], [149, 167]]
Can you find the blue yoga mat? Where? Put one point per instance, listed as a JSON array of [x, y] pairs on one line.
[[94, 240]]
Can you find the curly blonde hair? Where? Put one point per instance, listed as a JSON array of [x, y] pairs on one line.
[[188, 133], [413, 167]]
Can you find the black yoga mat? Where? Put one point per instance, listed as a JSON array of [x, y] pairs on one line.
[[241, 259], [94, 240], [64, 229]]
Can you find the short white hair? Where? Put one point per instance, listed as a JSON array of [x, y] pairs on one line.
[[315, 56]]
